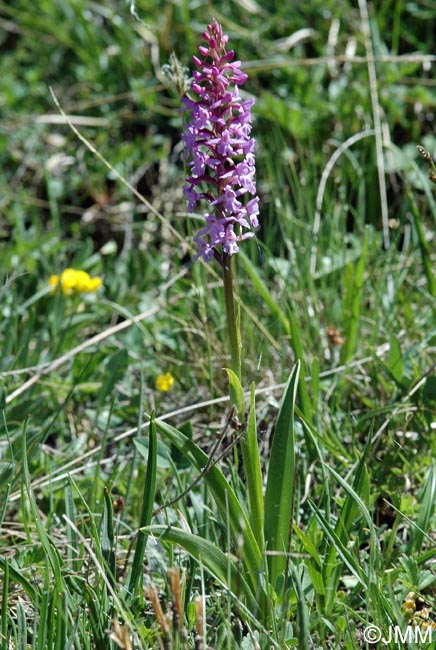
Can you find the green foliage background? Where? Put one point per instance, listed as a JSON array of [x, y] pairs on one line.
[[319, 285]]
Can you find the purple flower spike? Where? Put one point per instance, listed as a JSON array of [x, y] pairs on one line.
[[219, 149]]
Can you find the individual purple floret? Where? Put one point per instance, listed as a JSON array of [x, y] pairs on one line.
[[220, 150]]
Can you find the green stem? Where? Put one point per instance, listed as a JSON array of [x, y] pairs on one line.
[[232, 323]]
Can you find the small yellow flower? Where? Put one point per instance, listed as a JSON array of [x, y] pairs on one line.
[[74, 281], [53, 282], [164, 382]]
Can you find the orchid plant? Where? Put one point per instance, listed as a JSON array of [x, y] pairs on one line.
[[220, 153], [222, 163]]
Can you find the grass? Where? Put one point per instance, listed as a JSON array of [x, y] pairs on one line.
[[128, 517]]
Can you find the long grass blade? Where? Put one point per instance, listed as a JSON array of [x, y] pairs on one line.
[[428, 502], [136, 574], [424, 247], [6, 475], [50, 550], [22, 630], [304, 641], [33, 590], [303, 393], [352, 299], [346, 520], [264, 292], [5, 605], [340, 548], [108, 538], [44, 608], [313, 561]]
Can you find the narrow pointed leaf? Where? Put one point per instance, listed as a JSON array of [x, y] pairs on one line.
[[280, 481], [264, 292], [253, 472], [224, 496], [219, 564], [236, 392], [427, 507], [107, 537], [345, 555], [351, 317], [147, 509]]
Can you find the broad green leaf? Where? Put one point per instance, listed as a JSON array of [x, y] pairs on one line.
[[163, 458], [280, 482], [177, 457], [225, 498], [219, 564]]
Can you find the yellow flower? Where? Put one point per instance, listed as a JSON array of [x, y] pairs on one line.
[[75, 281], [164, 382]]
